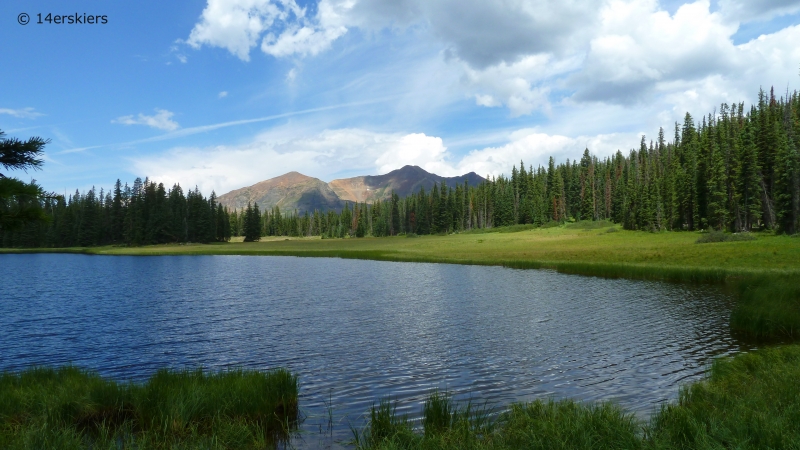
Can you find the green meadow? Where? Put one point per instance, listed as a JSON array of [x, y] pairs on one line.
[[591, 248]]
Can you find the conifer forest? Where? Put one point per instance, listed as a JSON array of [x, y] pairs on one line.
[[736, 169]]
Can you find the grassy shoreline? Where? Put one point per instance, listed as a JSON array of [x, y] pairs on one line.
[[70, 408], [669, 256], [746, 401]]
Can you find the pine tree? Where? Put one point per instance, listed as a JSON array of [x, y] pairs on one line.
[[717, 190]]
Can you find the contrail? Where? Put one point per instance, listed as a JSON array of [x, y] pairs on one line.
[[204, 128]]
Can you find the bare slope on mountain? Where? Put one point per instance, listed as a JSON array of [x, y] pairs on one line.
[[404, 181], [289, 192]]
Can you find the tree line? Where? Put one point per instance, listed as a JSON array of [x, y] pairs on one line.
[[144, 213], [735, 169]]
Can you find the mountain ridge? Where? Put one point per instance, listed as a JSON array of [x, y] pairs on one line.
[[295, 191]]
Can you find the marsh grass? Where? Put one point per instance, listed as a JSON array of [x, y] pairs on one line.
[[768, 308], [72, 408], [747, 402], [537, 425], [751, 401]]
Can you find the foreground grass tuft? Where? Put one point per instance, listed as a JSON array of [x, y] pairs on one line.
[[73, 408], [751, 401]]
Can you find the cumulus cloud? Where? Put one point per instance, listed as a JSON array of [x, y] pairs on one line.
[[24, 113], [748, 10], [222, 94], [237, 25], [640, 45], [161, 120], [534, 148], [480, 32], [308, 36], [282, 27], [517, 86], [528, 55], [485, 32]]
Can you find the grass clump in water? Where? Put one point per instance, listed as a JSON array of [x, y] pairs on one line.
[[768, 308], [73, 408], [751, 401], [536, 425]]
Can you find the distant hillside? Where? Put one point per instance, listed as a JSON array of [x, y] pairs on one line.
[[289, 192], [295, 191], [404, 181]]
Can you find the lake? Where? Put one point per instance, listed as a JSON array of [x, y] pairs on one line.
[[358, 331]]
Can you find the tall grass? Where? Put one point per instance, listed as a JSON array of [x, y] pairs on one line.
[[536, 425], [751, 401], [768, 308], [72, 408]]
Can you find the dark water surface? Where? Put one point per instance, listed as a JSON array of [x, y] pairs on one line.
[[357, 331]]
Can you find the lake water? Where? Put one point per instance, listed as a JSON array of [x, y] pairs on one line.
[[357, 331]]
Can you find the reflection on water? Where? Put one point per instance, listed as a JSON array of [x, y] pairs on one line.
[[356, 331]]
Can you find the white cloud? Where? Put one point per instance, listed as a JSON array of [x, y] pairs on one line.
[[162, 120], [24, 113], [530, 55], [291, 75], [518, 86], [534, 148], [222, 94], [640, 45], [749, 10], [415, 149], [486, 32], [237, 25], [282, 26]]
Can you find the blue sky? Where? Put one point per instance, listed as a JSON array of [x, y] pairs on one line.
[[225, 93]]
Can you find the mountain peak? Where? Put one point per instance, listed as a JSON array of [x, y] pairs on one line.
[[295, 191]]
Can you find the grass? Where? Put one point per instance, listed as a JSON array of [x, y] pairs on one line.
[[751, 401], [747, 402], [719, 236], [70, 408], [768, 308], [576, 248]]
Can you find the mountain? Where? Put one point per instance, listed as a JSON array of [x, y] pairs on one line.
[[288, 192], [295, 191], [405, 181]]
